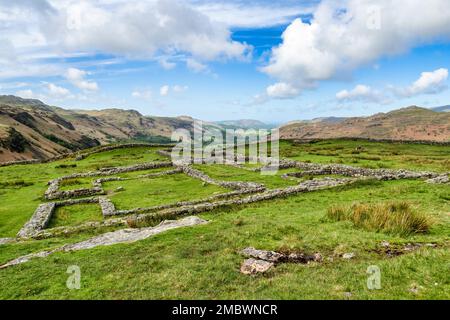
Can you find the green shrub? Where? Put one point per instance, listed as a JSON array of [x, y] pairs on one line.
[[398, 218]]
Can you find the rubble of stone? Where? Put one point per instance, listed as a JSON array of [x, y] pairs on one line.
[[261, 260], [112, 238], [269, 256], [6, 240], [253, 266], [228, 195], [442, 179], [349, 171], [188, 170], [38, 221], [164, 173], [108, 208]]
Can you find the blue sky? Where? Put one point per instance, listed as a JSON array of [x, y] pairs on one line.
[[216, 60]]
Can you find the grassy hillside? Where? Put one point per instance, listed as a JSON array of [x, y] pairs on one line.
[[48, 131], [203, 262]]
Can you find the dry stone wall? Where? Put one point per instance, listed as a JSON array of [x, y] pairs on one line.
[[38, 221]]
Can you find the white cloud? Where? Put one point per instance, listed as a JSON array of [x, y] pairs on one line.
[[31, 31], [26, 94], [282, 90], [250, 15], [30, 94], [429, 83], [345, 35], [164, 90], [56, 91], [144, 94], [360, 93], [179, 89], [196, 66], [77, 78], [166, 64]]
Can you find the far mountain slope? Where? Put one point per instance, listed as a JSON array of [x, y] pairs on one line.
[[411, 123]]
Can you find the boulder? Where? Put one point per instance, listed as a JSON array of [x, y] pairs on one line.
[[253, 266]]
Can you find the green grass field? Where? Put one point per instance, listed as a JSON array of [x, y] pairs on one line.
[[203, 262]]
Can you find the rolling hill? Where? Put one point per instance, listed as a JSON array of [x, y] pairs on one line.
[[412, 123], [30, 129]]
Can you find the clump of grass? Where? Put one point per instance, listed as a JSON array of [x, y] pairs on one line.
[[15, 184], [65, 166], [397, 218]]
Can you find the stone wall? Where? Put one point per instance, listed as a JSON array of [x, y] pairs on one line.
[[108, 208], [38, 221], [228, 195], [307, 186], [340, 169], [226, 184], [80, 155], [399, 141]]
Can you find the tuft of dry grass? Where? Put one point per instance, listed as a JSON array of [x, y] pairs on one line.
[[398, 218]]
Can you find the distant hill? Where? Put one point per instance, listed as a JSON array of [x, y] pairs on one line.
[[243, 124], [442, 109], [30, 129], [412, 123]]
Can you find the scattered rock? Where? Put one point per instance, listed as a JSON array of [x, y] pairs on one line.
[[119, 189], [111, 238], [6, 240], [415, 288], [269, 256], [348, 295], [442, 179], [348, 256], [253, 266]]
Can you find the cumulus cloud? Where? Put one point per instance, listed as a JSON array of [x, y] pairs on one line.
[[360, 93], [344, 35], [196, 66], [253, 15], [429, 83], [57, 91], [142, 94], [179, 89], [282, 90], [77, 78], [26, 94], [165, 90], [32, 31]]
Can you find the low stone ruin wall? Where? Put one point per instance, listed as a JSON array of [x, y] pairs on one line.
[[20, 162], [38, 221], [53, 191], [108, 208], [442, 179], [228, 195], [307, 186], [226, 184], [80, 155], [380, 174]]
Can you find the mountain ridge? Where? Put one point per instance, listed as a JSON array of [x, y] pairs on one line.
[[409, 124]]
